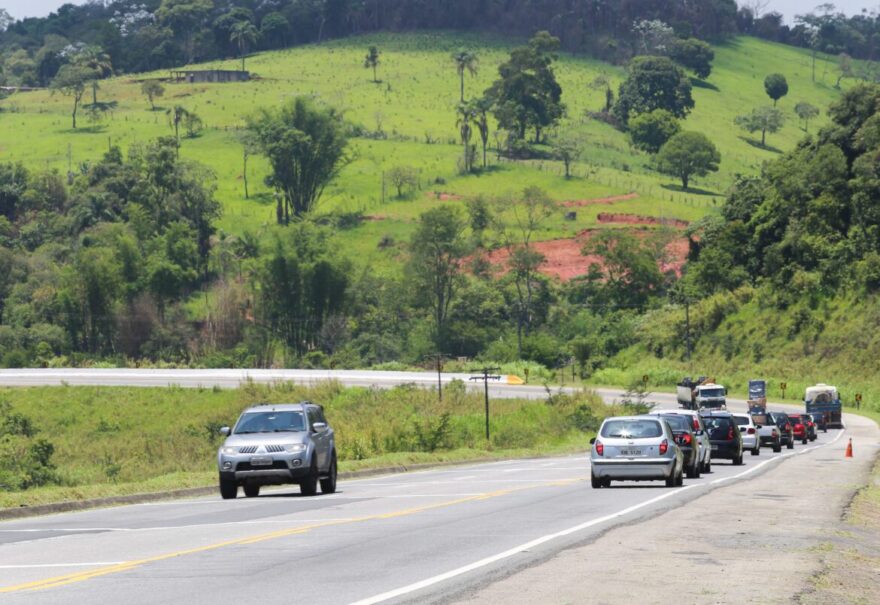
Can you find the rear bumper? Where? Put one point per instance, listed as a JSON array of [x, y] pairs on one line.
[[750, 442], [726, 451], [648, 469]]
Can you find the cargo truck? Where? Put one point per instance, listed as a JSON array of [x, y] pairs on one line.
[[757, 395], [701, 394], [824, 399]]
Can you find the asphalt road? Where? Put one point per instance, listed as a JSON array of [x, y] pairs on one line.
[[418, 537]]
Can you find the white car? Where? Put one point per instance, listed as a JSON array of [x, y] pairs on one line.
[[699, 431], [749, 432]]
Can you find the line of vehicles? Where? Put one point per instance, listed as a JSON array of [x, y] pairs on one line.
[[669, 444]]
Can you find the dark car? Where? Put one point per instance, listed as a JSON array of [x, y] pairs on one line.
[[687, 442], [786, 430], [724, 435], [820, 420], [800, 427]]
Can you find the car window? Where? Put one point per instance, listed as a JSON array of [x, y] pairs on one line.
[[761, 419], [677, 422], [632, 429], [269, 422], [718, 427], [741, 420], [712, 392]]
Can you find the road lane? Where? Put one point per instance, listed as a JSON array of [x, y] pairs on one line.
[[374, 538]]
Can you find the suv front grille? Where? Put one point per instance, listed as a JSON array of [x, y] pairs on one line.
[[274, 449], [276, 464], [247, 449]]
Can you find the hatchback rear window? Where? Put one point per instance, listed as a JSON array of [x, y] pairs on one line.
[[741, 420], [677, 422], [632, 429], [761, 419], [718, 427]]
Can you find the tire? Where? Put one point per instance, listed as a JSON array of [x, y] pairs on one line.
[[251, 491], [790, 444], [328, 484], [228, 489], [672, 479], [756, 451], [679, 481], [595, 481], [708, 467], [309, 485], [804, 442], [777, 447], [693, 471], [737, 461]]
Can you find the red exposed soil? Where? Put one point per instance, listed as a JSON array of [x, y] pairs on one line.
[[375, 217], [565, 261], [600, 200], [636, 219]]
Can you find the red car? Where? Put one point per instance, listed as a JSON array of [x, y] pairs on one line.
[[799, 427]]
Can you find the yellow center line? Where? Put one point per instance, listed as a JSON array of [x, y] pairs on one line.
[[82, 576]]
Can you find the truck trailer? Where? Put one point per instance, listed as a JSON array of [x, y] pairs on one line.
[[825, 399]]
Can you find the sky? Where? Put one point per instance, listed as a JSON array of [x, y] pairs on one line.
[[41, 8]]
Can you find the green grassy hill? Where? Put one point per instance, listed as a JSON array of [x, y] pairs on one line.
[[414, 103]]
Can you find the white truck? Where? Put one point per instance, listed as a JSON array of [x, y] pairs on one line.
[[701, 394]]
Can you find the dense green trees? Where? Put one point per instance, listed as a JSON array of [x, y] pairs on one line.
[[654, 83], [305, 145], [696, 55], [527, 95], [650, 131]]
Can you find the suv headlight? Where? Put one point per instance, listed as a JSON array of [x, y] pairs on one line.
[[228, 451], [294, 447]]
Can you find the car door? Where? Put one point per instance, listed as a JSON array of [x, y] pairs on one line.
[[319, 438]]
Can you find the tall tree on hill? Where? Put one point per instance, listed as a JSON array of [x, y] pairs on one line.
[[436, 251], [372, 61], [273, 29], [464, 121], [95, 59], [776, 87], [71, 81], [688, 154], [480, 109], [806, 112], [465, 61], [152, 89], [516, 221], [527, 95], [186, 18], [654, 83], [243, 35], [763, 120], [176, 116], [305, 145]]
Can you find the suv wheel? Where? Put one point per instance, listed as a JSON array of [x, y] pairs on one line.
[[595, 481], [309, 485], [756, 451], [328, 484], [738, 460], [251, 491], [777, 446], [694, 470], [228, 489], [672, 479], [790, 444]]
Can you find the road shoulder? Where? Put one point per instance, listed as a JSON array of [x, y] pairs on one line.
[[711, 550]]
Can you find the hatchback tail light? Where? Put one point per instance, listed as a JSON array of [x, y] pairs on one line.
[[775, 433], [686, 439], [730, 433], [600, 448], [696, 423], [751, 431], [787, 427], [664, 447]]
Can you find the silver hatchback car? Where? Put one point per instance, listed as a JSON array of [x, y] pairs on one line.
[[277, 444], [635, 448]]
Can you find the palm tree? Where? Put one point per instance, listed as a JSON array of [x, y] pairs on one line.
[[95, 59], [465, 61], [465, 115], [372, 60], [176, 115], [242, 35]]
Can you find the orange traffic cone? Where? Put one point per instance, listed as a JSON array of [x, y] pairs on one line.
[[849, 449]]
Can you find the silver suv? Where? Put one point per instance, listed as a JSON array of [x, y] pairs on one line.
[[273, 444]]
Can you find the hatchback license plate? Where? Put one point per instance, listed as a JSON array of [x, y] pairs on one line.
[[261, 461], [630, 452], [714, 447]]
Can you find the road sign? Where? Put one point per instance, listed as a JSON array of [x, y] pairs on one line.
[[858, 396], [783, 386], [645, 379]]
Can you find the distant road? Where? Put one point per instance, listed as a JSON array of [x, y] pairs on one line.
[[235, 378]]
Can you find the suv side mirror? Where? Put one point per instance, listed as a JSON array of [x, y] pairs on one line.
[[759, 426], [319, 427], [593, 441], [224, 430]]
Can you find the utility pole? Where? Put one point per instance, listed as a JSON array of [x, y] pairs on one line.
[[438, 360], [486, 375], [687, 323]]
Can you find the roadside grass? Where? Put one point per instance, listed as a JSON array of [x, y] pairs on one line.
[[113, 441], [411, 117]]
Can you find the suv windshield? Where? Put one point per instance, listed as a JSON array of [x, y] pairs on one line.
[[632, 429], [718, 428], [677, 422], [269, 422]]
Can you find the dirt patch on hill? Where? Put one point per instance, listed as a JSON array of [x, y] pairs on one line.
[[441, 196], [637, 219], [600, 200], [563, 258]]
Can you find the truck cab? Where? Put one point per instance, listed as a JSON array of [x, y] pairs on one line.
[[711, 396]]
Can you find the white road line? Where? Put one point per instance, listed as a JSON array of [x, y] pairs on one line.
[[76, 530], [398, 592], [44, 565]]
